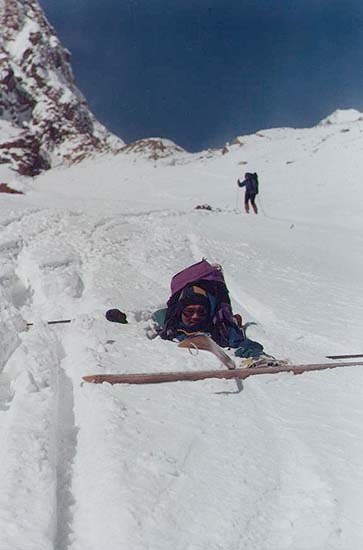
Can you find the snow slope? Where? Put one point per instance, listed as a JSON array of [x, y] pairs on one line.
[[198, 465]]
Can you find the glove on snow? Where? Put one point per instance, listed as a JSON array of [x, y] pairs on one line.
[[116, 316]]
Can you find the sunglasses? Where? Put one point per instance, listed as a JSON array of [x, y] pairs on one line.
[[200, 311]]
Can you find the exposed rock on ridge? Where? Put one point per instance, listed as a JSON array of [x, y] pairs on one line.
[[44, 119], [153, 148]]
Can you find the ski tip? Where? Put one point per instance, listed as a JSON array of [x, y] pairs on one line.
[[92, 378]]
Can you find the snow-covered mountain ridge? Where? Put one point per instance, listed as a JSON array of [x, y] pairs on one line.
[[297, 166], [44, 119]]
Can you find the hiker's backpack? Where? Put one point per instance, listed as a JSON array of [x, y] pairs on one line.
[[254, 180], [223, 328]]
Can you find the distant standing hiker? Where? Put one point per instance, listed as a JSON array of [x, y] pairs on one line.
[[251, 184]]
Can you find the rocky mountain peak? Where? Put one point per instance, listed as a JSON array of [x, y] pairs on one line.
[[44, 118]]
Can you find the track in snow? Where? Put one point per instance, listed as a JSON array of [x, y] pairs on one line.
[[115, 463]]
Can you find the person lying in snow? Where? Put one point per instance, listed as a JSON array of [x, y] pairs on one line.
[[200, 302]]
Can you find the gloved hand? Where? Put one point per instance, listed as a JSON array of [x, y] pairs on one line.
[[249, 348], [116, 316]]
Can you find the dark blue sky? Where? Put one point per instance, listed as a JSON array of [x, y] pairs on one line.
[[201, 72]]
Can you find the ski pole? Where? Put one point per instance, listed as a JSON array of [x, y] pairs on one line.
[[114, 315], [344, 356], [260, 205], [237, 199], [52, 322]]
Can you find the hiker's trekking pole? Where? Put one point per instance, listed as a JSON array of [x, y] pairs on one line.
[[237, 199], [260, 205]]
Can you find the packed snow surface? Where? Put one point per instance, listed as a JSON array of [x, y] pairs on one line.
[[186, 465]]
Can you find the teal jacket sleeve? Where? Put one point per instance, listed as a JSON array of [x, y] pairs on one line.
[[159, 317]]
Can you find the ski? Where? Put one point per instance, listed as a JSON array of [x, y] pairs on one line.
[[204, 342], [160, 377], [354, 356]]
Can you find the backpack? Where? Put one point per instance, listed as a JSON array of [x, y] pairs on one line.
[[254, 179], [223, 327]]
